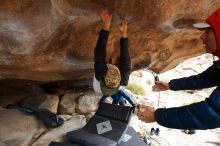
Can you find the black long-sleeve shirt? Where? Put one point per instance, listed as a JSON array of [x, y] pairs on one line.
[[100, 55]]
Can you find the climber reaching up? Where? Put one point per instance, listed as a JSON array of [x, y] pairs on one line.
[[109, 79]]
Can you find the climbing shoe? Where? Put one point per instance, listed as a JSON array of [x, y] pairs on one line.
[[152, 131], [191, 131], [157, 131]]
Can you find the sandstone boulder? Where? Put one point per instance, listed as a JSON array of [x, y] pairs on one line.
[[54, 40]]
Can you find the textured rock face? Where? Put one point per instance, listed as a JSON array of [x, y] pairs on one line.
[[47, 40]]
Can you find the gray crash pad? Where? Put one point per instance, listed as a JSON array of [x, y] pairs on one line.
[[63, 144], [105, 128], [135, 140], [131, 139]]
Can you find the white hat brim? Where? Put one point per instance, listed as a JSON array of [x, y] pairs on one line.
[[201, 25]]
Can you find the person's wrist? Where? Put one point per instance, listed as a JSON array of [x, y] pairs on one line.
[[168, 85], [155, 116], [106, 26], [124, 34]]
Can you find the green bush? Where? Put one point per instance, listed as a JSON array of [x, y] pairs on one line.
[[136, 89]]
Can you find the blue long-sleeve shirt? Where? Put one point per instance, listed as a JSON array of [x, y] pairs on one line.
[[201, 115], [119, 97]]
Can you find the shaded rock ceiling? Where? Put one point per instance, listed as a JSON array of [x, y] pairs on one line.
[[50, 40]]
